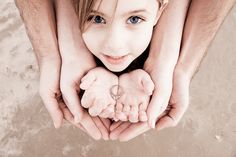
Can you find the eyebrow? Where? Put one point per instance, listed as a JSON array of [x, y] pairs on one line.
[[131, 12]]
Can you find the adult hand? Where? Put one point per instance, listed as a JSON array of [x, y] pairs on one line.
[[94, 126], [161, 76], [178, 104], [49, 87], [72, 71], [50, 94], [76, 61]]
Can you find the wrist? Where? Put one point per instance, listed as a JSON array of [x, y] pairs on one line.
[[84, 60], [165, 66], [182, 72], [49, 59], [79, 55]]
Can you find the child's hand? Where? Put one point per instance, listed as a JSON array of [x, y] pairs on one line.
[[97, 97], [178, 104], [136, 88]]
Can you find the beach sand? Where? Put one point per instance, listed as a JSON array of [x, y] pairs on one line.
[[208, 128]]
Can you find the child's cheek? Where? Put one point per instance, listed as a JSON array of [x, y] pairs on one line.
[[141, 40]]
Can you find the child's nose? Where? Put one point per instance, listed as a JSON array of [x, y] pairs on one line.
[[115, 41]]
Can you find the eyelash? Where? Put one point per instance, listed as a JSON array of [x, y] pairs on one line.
[[92, 17]]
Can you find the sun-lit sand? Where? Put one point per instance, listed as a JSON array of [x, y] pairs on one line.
[[208, 129]]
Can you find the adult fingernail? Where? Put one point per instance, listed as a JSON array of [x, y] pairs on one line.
[[56, 125], [112, 137], [106, 138], [153, 124], [77, 118]]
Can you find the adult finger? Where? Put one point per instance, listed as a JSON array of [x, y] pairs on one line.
[[71, 99], [172, 118], [159, 101], [69, 117], [116, 132], [178, 104], [133, 131], [52, 106], [90, 126], [115, 125], [103, 130], [106, 122]]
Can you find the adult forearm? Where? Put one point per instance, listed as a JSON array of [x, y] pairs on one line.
[[203, 20], [69, 35], [39, 20], [167, 36]]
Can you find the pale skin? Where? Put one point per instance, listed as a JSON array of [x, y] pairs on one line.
[[125, 35], [42, 33], [73, 58], [48, 51], [136, 28], [97, 98], [203, 20], [136, 87]]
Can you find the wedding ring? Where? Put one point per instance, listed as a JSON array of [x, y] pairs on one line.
[[116, 92]]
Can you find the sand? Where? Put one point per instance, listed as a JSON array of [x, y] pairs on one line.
[[208, 129]]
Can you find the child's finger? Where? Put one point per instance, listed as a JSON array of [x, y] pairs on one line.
[[143, 116], [142, 112], [87, 100], [126, 109], [147, 84], [133, 115], [118, 109], [87, 80], [52, 106], [96, 108], [119, 112], [108, 112]]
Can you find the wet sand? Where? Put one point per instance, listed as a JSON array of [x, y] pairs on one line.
[[208, 129]]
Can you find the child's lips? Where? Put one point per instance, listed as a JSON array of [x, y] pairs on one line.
[[115, 59]]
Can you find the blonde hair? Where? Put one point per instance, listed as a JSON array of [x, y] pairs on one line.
[[84, 7]]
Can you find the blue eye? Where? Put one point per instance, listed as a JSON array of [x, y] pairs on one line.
[[99, 20], [135, 20]]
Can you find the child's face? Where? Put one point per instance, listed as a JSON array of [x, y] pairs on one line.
[[120, 39]]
